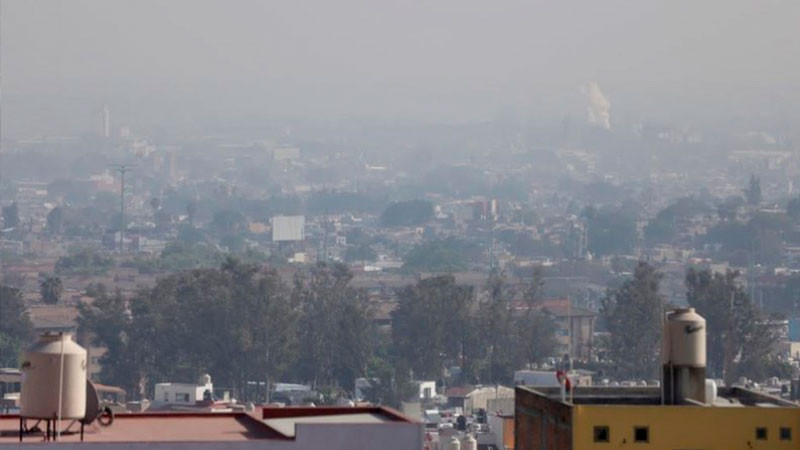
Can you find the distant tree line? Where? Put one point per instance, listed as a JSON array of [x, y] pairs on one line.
[[241, 323], [741, 339], [16, 329]]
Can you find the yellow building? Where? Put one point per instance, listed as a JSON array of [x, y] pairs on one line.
[[613, 418]]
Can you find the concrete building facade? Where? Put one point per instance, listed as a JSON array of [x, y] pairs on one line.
[[604, 418]]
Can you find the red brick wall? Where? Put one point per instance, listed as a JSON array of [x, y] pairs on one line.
[[540, 423]]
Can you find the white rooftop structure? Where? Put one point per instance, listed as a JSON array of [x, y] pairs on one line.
[[286, 425]]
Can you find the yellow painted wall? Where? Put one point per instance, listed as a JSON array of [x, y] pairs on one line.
[[686, 427], [508, 432]]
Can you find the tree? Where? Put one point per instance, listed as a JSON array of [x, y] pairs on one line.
[[753, 191], [236, 322], [430, 323], [441, 255], [191, 211], [728, 209], [335, 326], [632, 314], [668, 221], [407, 213], [390, 383], [610, 231], [268, 317], [83, 262], [155, 204], [11, 216], [498, 330], [536, 332], [325, 298], [228, 221], [189, 235], [51, 289], [739, 337], [15, 326], [55, 220], [325, 202], [793, 209], [109, 321], [360, 252]]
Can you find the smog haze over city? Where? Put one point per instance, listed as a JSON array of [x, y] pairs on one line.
[[401, 203]]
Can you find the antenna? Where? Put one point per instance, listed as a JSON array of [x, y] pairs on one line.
[[122, 169]]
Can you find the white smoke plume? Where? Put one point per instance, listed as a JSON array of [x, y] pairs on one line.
[[599, 106]]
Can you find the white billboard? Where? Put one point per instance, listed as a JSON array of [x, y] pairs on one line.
[[288, 228]]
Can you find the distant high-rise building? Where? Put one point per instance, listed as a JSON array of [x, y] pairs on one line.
[[106, 122]]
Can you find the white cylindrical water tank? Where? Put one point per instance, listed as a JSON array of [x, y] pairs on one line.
[[452, 444], [686, 339], [469, 443], [44, 375]]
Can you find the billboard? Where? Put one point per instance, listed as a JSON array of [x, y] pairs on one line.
[[288, 228]]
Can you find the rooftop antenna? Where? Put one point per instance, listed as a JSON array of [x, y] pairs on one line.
[[122, 169]]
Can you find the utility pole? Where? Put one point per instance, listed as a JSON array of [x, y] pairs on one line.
[[325, 239], [1, 96], [491, 246], [122, 169]]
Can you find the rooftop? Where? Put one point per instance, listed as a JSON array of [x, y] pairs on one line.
[[651, 395], [266, 424]]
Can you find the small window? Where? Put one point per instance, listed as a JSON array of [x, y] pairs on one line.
[[641, 434], [786, 434], [601, 434], [761, 433]]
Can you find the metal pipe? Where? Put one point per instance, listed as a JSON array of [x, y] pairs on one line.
[[60, 387]]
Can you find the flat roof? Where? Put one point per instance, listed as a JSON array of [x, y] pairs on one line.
[[264, 423], [286, 425], [651, 395], [149, 427]]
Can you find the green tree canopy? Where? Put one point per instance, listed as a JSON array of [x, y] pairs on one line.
[[633, 315], [83, 262], [360, 252], [739, 337], [235, 322], [51, 289], [753, 191], [335, 326], [441, 255], [610, 231], [15, 326], [11, 216], [430, 324], [407, 213]]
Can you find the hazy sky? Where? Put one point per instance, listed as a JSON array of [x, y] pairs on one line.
[[445, 59]]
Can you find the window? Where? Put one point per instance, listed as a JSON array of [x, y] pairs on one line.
[[761, 433], [786, 434], [166, 396], [602, 434], [641, 434]]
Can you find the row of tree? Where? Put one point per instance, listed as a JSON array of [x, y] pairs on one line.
[[741, 340], [243, 323]]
